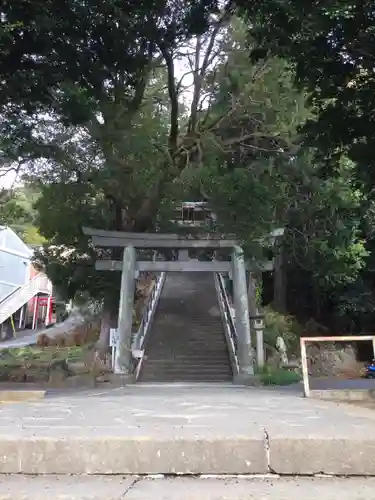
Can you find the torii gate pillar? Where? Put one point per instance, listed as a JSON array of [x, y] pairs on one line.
[[123, 358], [244, 352]]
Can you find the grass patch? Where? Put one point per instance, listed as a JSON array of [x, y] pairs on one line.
[[278, 376], [33, 364], [42, 355]]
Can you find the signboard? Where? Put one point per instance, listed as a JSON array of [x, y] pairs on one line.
[[113, 337]]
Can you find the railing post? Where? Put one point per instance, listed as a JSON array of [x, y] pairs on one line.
[[123, 358], [244, 352], [305, 369], [35, 312]]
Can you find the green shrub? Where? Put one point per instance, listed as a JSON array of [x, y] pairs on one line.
[[281, 325], [278, 376]]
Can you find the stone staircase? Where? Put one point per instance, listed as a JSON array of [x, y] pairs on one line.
[[186, 342]]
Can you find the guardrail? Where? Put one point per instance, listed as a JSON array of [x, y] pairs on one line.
[[140, 337], [39, 284], [228, 319], [343, 338]]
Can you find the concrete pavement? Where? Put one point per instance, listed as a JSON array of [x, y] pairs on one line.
[[211, 429], [115, 488]]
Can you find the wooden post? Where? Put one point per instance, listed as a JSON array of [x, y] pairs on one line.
[[305, 371], [125, 322], [244, 351]]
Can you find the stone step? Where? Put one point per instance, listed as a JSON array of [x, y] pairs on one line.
[[199, 371], [192, 362], [206, 331], [194, 371], [19, 487], [185, 378], [220, 357], [192, 429], [168, 361], [186, 343], [179, 351]]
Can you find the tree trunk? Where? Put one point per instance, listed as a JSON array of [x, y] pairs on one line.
[[251, 295], [108, 321], [279, 295]]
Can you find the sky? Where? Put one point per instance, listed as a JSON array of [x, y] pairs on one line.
[[7, 180]]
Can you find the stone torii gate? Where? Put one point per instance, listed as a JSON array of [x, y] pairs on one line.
[[130, 265]]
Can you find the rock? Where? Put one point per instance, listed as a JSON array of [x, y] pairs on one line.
[[82, 380], [77, 367], [329, 359], [94, 362], [58, 372]]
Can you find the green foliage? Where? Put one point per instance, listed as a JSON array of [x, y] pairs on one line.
[[97, 116], [11, 211], [337, 39], [279, 376], [17, 211], [14, 356], [281, 325], [109, 47], [258, 293], [109, 192], [324, 227], [247, 173]]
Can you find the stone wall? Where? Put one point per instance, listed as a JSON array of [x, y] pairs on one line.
[[332, 360]]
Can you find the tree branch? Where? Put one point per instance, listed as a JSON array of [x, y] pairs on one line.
[[140, 89], [173, 96], [200, 73]]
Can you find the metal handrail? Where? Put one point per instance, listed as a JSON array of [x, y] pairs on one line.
[[7, 297], [228, 320], [143, 330], [38, 284]]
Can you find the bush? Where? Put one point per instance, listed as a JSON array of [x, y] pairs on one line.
[[281, 325], [278, 376]]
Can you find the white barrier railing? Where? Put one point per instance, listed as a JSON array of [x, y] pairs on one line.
[[39, 284], [227, 314], [343, 338], [139, 340]]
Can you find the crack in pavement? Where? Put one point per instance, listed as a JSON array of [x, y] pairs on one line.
[[132, 486], [267, 449]]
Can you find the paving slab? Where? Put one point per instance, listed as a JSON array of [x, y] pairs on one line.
[[186, 429], [116, 488], [64, 487]]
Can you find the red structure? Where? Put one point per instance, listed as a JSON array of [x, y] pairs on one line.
[[43, 308]]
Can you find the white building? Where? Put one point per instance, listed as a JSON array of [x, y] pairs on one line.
[[25, 293], [15, 262]]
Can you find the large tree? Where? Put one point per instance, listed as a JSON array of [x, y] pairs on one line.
[[331, 48], [110, 136]]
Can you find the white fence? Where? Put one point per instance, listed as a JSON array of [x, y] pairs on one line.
[[305, 340]]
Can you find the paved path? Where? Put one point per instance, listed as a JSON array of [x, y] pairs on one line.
[[23, 338], [336, 383], [115, 488], [30, 337], [215, 429]]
